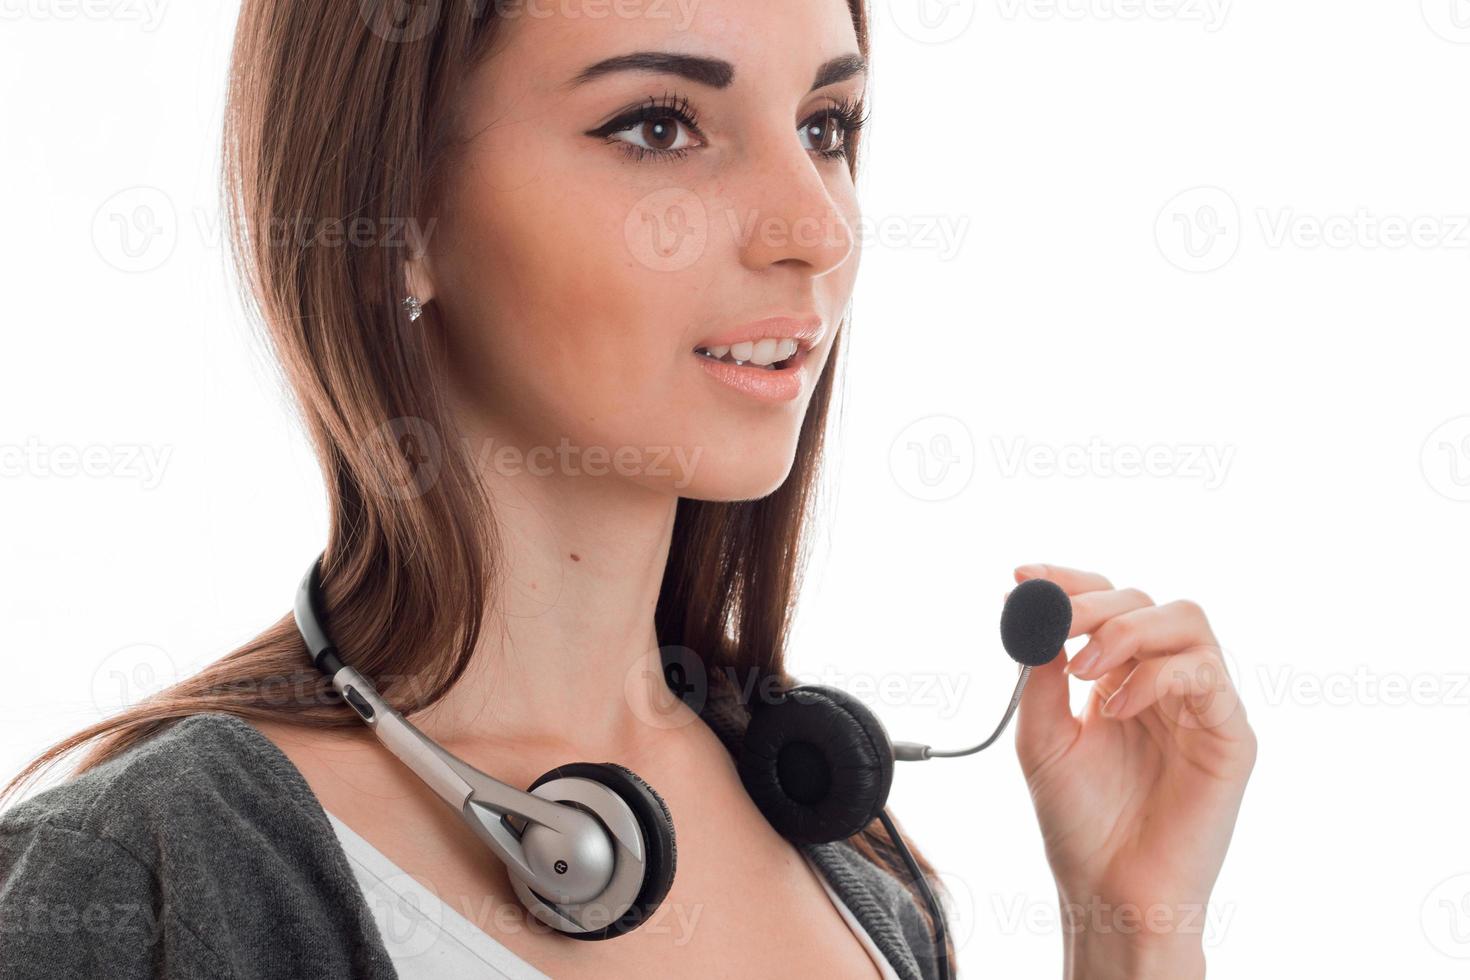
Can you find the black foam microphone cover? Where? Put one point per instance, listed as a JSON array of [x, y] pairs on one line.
[[1035, 622]]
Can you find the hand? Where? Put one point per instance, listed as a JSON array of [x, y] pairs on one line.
[[1137, 798]]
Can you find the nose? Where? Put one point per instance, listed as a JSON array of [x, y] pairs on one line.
[[789, 216]]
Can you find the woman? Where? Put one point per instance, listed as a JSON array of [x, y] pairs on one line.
[[560, 298]]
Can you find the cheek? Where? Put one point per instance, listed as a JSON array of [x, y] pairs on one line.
[[554, 323]]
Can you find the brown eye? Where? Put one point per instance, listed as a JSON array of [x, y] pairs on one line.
[[826, 133], [831, 130], [656, 134], [652, 130], [660, 134]]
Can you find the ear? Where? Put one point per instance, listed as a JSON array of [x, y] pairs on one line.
[[418, 274]]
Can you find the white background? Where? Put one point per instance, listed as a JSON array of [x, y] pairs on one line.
[[1097, 228]]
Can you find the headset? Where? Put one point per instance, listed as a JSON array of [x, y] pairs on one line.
[[590, 847]]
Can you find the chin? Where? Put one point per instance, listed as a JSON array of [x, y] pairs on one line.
[[725, 474]]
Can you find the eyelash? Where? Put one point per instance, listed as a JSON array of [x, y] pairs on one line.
[[850, 113]]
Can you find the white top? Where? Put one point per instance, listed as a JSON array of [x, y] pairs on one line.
[[427, 939]]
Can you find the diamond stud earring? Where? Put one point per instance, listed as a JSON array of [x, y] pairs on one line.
[[414, 307]]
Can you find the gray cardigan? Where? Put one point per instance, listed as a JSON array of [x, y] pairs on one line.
[[202, 852]]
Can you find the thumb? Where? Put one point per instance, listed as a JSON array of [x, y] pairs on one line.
[[1045, 725]]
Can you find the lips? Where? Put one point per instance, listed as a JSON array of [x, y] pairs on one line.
[[783, 383], [771, 343], [764, 359]]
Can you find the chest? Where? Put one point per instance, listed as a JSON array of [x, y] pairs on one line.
[[727, 915], [744, 900]]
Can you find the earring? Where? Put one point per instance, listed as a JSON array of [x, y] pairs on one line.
[[414, 307]]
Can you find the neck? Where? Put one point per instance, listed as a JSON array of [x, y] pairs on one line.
[[568, 657]]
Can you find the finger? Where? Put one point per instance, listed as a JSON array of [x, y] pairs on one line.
[[1191, 688], [1091, 609], [1071, 580], [1142, 633], [1104, 687], [1045, 725]]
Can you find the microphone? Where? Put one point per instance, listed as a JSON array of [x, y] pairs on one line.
[[1033, 626]]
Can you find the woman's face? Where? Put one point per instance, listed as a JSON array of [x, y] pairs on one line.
[[609, 217]]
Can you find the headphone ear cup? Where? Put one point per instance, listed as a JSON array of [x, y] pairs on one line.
[[660, 850], [817, 763]]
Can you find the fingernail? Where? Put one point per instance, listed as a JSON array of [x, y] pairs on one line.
[[1115, 704], [1031, 571], [1086, 659]]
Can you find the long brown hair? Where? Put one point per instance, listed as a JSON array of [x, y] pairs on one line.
[[343, 110]]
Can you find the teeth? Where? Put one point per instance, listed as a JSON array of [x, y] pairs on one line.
[[760, 353]]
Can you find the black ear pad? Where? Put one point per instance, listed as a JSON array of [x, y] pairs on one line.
[[817, 763], [659, 848]]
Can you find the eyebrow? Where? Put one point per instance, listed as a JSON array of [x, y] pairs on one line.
[[709, 71]]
